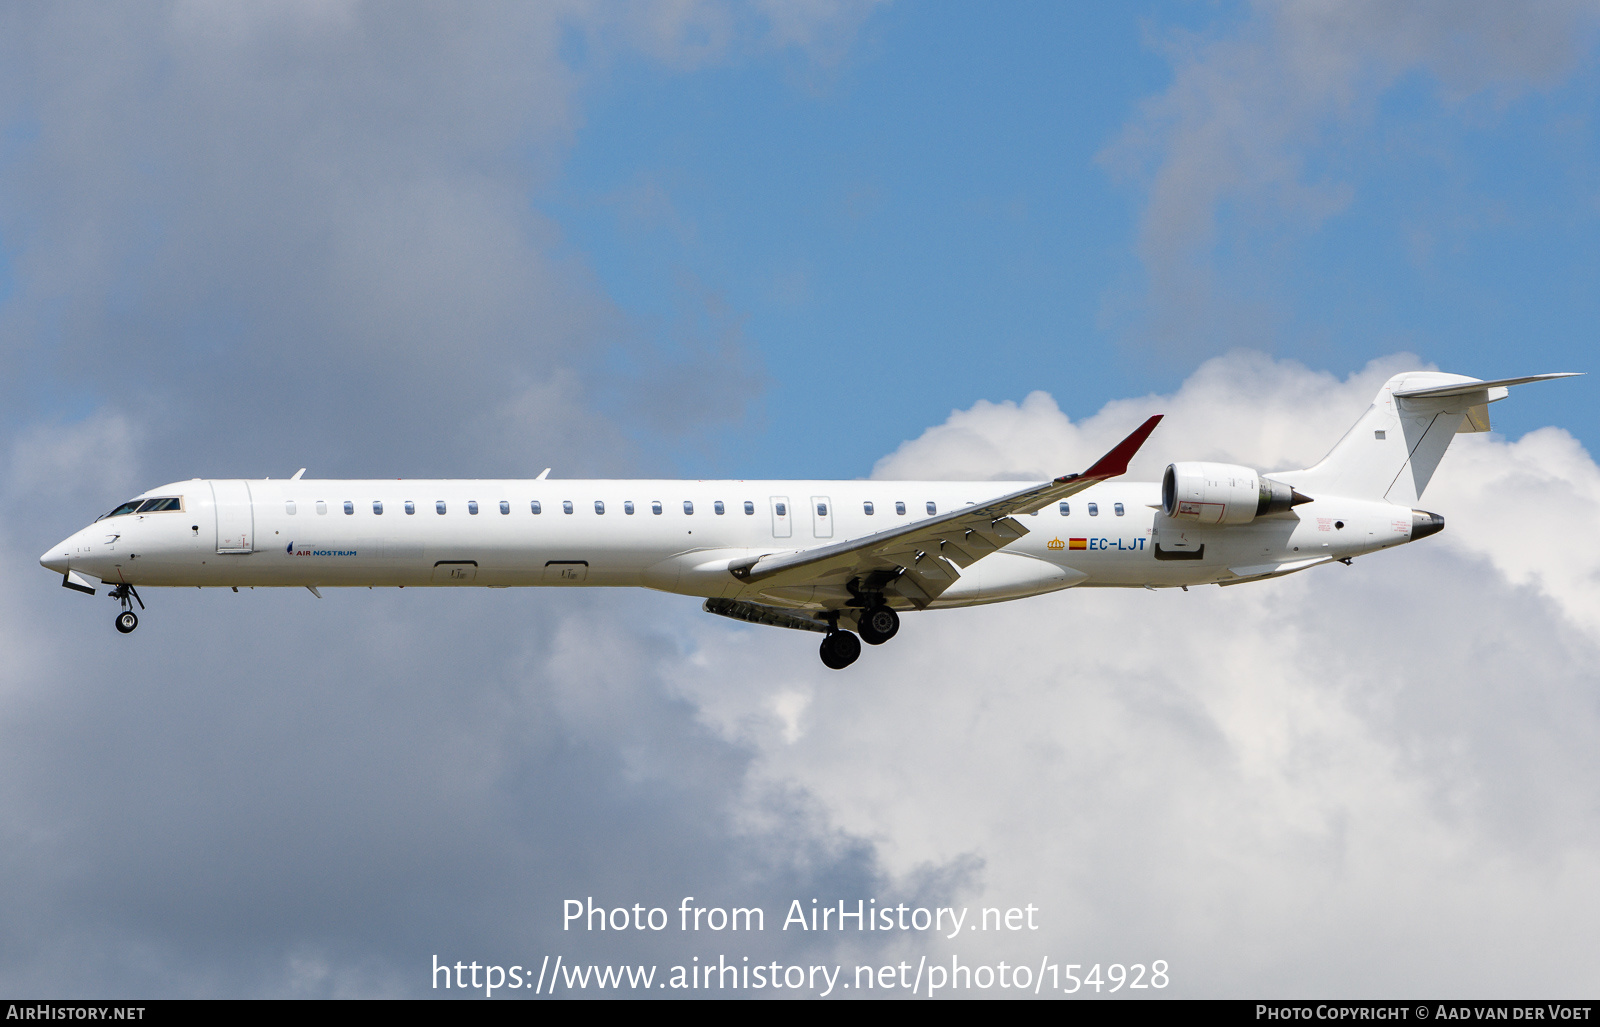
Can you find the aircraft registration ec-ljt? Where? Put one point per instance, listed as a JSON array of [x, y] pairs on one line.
[[843, 558]]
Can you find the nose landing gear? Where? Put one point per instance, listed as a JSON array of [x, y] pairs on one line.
[[127, 595]]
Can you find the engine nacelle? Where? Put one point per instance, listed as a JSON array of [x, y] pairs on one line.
[[1223, 494]]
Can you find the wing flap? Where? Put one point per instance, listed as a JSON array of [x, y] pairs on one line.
[[925, 557]]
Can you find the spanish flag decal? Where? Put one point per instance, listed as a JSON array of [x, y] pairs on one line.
[[1078, 543]]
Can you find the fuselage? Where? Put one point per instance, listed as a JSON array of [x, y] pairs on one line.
[[675, 536]]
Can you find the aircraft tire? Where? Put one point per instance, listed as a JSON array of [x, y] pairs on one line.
[[127, 620], [839, 649], [878, 625]]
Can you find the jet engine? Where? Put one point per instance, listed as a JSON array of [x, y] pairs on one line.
[[1223, 494]]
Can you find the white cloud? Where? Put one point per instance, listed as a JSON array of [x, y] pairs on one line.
[[1368, 780], [1243, 407], [1526, 507]]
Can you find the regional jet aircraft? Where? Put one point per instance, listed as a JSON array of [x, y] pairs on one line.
[[842, 558]]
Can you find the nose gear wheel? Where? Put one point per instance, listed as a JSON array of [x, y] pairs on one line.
[[127, 595]]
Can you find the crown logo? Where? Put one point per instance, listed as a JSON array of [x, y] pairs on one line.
[[1055, 543]]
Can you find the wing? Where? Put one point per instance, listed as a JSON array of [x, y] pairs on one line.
[[922, 559]]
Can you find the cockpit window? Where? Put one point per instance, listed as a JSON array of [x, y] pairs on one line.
[[146, 506], [126, 508]]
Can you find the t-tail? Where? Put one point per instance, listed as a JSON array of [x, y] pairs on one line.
[[1393, 450]]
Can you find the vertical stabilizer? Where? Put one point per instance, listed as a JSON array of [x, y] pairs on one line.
[[1393, 450]]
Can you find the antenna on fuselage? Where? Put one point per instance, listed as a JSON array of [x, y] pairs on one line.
[[297, 474], [543, 474]]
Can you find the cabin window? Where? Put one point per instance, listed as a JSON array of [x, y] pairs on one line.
[[688, 506], [535, 507], [566, 506], [377, 507], [1094, 509], [411, 507], [1118, 508], [627, 508], [1066, 508], [718, 508], [505, 507], [900, 508], [783, 510], [932, 509], [288, 507], [599, 507], [822, 509], [439, 506], [349, 507], [866, 508], [749, 508], [322, 507], [655, 506], [472, 507]]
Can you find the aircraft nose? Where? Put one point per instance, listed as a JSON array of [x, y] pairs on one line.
[[56, 558]]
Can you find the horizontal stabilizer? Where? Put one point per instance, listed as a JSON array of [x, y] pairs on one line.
[[1391, 452], [1468, 388]]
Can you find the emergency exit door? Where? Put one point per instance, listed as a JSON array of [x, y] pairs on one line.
[[782, 524], [822, 516]]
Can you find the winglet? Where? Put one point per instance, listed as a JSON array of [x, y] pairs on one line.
[[1116, 461]]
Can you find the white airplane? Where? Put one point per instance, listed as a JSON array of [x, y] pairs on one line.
[[834, 557]]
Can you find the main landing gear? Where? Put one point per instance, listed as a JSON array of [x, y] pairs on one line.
[[839, 649], [876, 625], [127, 620]]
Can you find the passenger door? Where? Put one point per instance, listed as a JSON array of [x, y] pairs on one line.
[[235, 518]]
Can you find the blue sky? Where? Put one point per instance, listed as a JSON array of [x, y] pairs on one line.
[[936, 217], [830, 238]]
